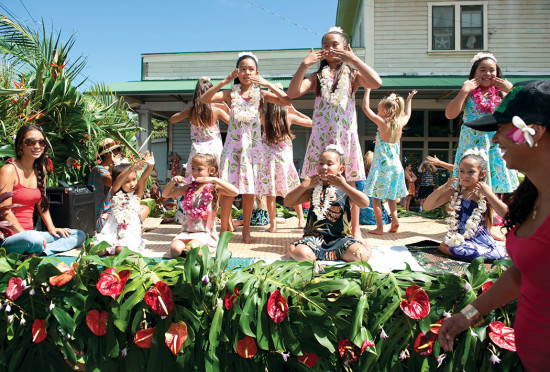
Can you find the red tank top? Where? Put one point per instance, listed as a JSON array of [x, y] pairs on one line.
[[28, 198]]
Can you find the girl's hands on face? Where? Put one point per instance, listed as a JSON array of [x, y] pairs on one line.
[[482, 188], [313, 57], [311, 182], [345, 55], [503, 84], [257, 79], [451, 182], [470, 85], [337, 180], [231, 76]]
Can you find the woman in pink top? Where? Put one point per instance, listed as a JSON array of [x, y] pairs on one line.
[[26, 177], [522, 123]]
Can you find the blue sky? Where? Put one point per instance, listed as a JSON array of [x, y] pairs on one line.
[[112, 34]]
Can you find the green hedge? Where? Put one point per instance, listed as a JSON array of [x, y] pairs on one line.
[[325, 306]]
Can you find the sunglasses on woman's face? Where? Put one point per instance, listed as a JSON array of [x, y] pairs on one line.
[[33, 141]]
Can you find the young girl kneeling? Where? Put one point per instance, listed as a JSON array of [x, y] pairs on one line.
[[123, 226], [327, 235], [468, 236], [200, 205]]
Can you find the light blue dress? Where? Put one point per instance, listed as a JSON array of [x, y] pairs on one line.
[[386, 178], [500, 178]]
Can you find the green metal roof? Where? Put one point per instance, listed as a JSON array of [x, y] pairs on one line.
[[389, 82], [346, 14]]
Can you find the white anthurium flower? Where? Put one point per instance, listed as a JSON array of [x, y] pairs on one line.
[[528, 132]]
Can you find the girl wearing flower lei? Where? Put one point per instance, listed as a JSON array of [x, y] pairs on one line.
[[480, 95], [470, 211], [327, 235], [386, 178], [334, 117], [205, 131], [200, 204], [242, 152], [123, 226]]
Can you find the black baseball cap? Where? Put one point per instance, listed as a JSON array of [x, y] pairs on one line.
[[529, 100]]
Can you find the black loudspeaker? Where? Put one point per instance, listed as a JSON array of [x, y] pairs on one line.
[[73, 207]]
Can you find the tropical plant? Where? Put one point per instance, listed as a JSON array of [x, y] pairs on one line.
[[39, 87], [130, 313]]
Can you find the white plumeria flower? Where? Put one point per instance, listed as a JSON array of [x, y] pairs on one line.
[[10, 318], [528, 132], [446, 314], [8, 308]]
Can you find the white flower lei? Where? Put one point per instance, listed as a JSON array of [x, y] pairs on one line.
[[454, 238], [241, 111], [340, 95], [330, 196], [123, 207]]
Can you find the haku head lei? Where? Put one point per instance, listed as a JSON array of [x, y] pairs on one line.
[[477, 151], [336, 148], [481, 55], [120, 161], [249, 54], [335, 29], [205, 78]]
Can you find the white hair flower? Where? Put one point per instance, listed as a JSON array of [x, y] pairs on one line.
[[484, 55], [392, 97], [522, 132], [205, 78], [249, 54], [334, 147], [335, 29]]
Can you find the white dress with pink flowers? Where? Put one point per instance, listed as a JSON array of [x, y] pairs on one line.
[[277, 173]]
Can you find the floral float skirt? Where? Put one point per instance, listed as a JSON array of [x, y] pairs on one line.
[[327, 249], [386, 178], [335, 125], [128, 235], [207, 140], [277, 172], [206, 238]]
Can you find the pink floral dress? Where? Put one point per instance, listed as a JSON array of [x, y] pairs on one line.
[[205, 140], [242, 153], [203, 227], [335, 125], [277, 173]]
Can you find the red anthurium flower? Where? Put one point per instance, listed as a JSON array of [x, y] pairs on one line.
[[434, 328], [247, 347], [486, 286], [417, 304], [277, 308], [348, 350], [367, 343], [112, 284], [502, 336], [176, 336], [424, 343], [39, 330], [97, 322], [67, 274], [15, 288], [309, 359], [49, 165], [159, 299], [144, 337], [229, 298]]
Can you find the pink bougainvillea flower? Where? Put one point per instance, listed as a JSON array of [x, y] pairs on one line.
[[159, 299], [15, 288], [417, 304], [144, 337], [67, 274], [486, 286], [112, 284], [176, 336], [97, 322], [348, 351], [309, 359], [277, 308], [38, 330], [247, 347], [502, 336], [434, 328], [424, 343], [229, 298], [367, 343]]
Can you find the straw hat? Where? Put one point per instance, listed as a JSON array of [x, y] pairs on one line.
[[107, 145]]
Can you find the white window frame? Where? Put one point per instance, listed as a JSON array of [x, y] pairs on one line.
[[457, 5]]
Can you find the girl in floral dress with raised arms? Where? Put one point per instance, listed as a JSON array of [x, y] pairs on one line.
[[479, 96], [205, 131], [123, 226], [471, 215], [278, 174], [334, 117], [242, 151], [386, 178], [200, 204], [327, 235]]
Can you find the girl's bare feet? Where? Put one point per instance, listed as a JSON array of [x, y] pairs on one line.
[[376, 232], [272, 229], [247, 237], [301, 223], [393, 228]]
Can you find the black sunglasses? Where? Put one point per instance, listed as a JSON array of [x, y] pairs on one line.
[[33, 141]]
